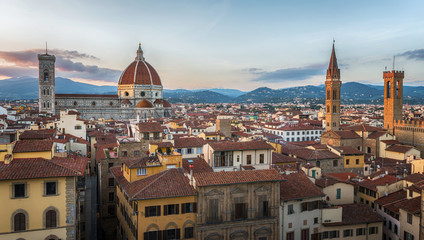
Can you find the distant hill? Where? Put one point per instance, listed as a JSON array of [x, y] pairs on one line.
[[352, 92]]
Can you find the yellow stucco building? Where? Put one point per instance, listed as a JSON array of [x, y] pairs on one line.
[[159, 206], [39, 198]]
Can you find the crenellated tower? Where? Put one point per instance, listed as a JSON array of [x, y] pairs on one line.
[[46, 83], [393, 98], [332, 96]]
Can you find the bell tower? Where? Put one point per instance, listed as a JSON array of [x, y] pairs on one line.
[[393, 98], [332, 96], [46, 83]]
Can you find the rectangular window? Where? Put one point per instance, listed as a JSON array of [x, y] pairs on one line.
[[408, 236], [188, 232], [373, 230], [111, 210], [316, 220], [124, 154], [263, 208], [338, 193], [348, 233], [261, 158], [213, 210], [171, 234], [357, 161], [50, 188], [290, 209], [136, 153], [347, 161], [111, 196], [152, 211], [249, 159], [146, 136], [360, 231], [156, 135], [409, 218], [334, 234], [141, 171], [19, 190], [152, 235], [189, 150], [171, 209], [290, 236], [240, 211], [111, 182], [335, 163], [304, 234], [189, 207]]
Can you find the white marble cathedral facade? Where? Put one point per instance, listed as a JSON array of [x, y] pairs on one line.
[[140, 93]]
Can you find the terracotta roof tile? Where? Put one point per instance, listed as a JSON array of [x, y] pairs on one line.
[[391, 198], [141, 162], [37, 134], [26, 168], [33, 146], [353, 214], [199, 165], [278, 158], [399, 148], [166, 184], [185, 142], [237, 146], [412, 205], [298, 186], [372, 184], [226, 178]]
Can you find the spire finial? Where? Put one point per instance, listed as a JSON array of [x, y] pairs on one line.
[[139, 53], [46, 48]]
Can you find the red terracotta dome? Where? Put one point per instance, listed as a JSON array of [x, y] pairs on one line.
[[166, 104], [139, 72], [158, 101], [144, 104]]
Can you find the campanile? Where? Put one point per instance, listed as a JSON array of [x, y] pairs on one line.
[[332, 96]]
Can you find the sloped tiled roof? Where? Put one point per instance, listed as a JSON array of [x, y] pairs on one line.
[[185, 142], [199, 165], [166, 184], [33, 146], [353, 214], [140, 162], [298, 186], [38, 134], [27, 168], [391, 198], [399, 148], [372, 184], [412, 205], [236, 146], [278, 158], [226, 178]]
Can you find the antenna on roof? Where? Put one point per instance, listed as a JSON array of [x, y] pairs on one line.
[[393, 62]]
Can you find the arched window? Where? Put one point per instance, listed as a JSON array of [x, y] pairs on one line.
[[388, 89], [334, 94], [44, 105], [19, 222], [328, 109], [46, 75], [51, 219], [48, 91], [126, 94], [334, 109], [75, 103], [48, 104], [328, 94]]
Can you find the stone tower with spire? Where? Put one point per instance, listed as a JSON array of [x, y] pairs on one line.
[[46, 83], [393, 98], [332, 96]]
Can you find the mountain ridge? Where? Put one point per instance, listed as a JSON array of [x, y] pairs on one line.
[[351, 92]]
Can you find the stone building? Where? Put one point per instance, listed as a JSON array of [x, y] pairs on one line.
[[140, 93], [238, 205]]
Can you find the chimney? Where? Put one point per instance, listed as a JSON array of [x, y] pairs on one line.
[[191, 174]]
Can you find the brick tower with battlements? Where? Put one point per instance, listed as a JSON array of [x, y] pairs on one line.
[[393, 98], [332, 96]]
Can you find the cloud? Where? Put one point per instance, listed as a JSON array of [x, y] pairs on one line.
[[417, 54], [66, 64], [288, 74]]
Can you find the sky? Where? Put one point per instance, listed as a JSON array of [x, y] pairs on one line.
[[200, 44]]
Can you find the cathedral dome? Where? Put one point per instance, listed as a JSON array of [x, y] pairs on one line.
[[144, 104], [139, 72], [166, 104]]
